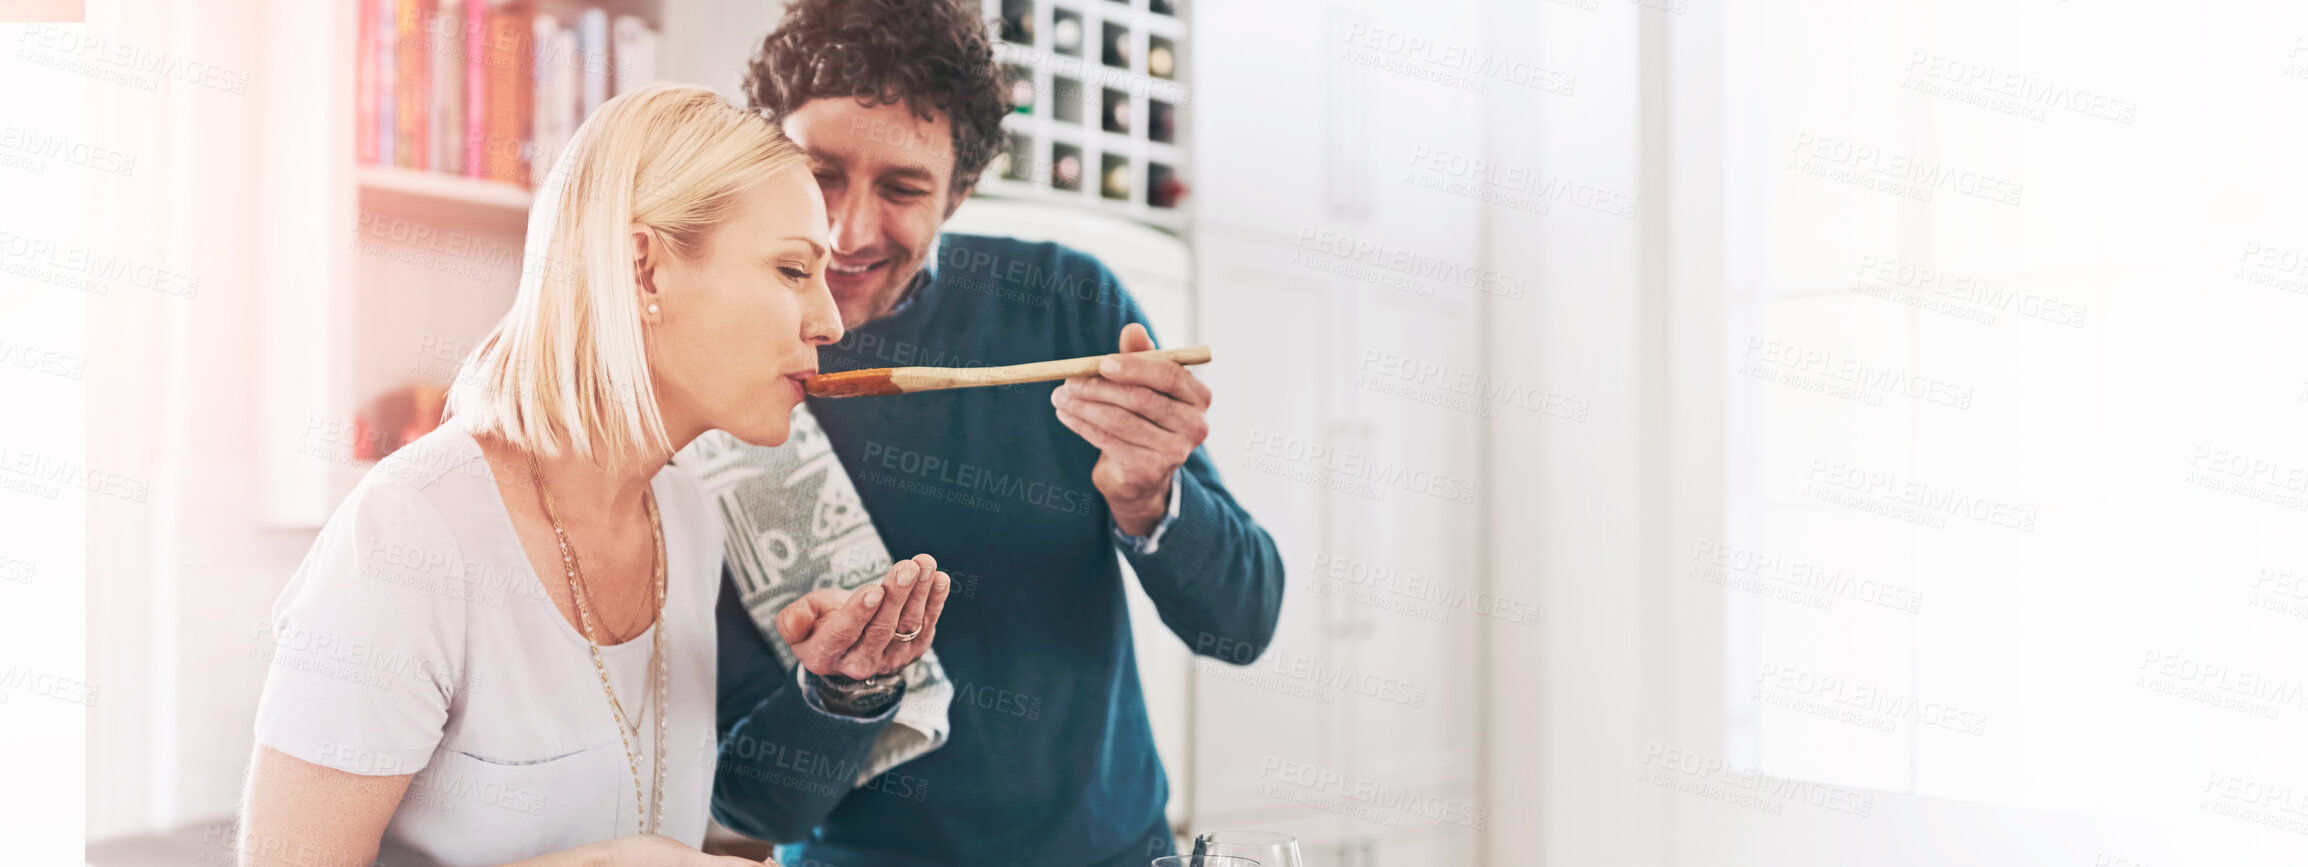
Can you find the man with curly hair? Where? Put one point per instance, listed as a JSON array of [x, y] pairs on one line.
[[1024, 494]]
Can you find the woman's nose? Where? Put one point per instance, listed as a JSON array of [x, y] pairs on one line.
[[820, 318]]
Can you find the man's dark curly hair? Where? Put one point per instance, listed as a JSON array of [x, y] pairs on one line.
[[931, 54]]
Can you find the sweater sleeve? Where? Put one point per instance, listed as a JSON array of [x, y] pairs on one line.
[[1216, 577], [784, 762]]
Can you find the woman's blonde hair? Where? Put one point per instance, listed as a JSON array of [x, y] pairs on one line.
[[566, 367]]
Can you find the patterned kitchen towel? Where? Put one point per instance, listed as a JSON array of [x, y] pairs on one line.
[[795, 524]]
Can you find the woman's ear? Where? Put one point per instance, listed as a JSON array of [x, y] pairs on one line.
[[646, 257]]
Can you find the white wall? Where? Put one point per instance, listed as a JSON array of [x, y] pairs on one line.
[[45, 689], [709, 42], [177, 582]]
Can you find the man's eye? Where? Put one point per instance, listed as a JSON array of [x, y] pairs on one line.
[[907, 192]]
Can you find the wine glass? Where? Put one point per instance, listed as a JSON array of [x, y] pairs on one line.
[[1203, 861], [1266, 847]]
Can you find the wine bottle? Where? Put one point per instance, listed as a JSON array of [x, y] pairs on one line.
[[1161, 59], [1115, 180], [1016, 162], [1117, 53], [1066, 168], [1116, 111], [1162, 186], [1021, 88], [1018, 22], [1066, 33]]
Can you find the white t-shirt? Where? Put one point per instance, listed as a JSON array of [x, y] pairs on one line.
[[415, 637]]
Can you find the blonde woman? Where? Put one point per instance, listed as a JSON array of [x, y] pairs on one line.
[[501, 647]]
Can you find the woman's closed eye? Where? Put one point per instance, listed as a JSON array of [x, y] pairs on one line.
[[793, 273]]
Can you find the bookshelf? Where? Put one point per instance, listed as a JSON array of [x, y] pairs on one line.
[[393, 261], [387, 268], [1104, 104], [395, 187]]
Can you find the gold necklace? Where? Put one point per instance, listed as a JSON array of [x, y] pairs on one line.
[[644, 822]]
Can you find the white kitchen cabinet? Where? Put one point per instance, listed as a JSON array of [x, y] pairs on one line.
[[1409, 634], [1250, 721], [1322, 269], [1402, 126]]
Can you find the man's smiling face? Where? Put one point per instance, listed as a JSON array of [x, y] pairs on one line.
[[887, 176]]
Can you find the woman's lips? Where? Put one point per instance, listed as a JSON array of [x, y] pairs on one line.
[[799, 382]]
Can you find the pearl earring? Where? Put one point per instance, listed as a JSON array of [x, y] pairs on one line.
[[652, 309]]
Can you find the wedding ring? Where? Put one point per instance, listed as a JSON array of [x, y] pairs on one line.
[[907, 636]]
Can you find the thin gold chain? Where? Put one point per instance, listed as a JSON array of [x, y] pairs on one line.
[[644, 822]]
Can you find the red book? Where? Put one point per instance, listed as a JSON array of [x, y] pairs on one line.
[[386, 69], [414, 55], [512, 68]]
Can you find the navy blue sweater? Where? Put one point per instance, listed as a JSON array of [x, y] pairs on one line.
[[1051, 760]]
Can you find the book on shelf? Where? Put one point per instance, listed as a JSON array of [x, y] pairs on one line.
[[446, 67], [381, 33], [365, 84], [410, 95], [476, 85], [556, 94], [489, 89], [510, 70]]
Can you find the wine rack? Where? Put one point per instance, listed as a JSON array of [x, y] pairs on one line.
[[1102, 97]]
